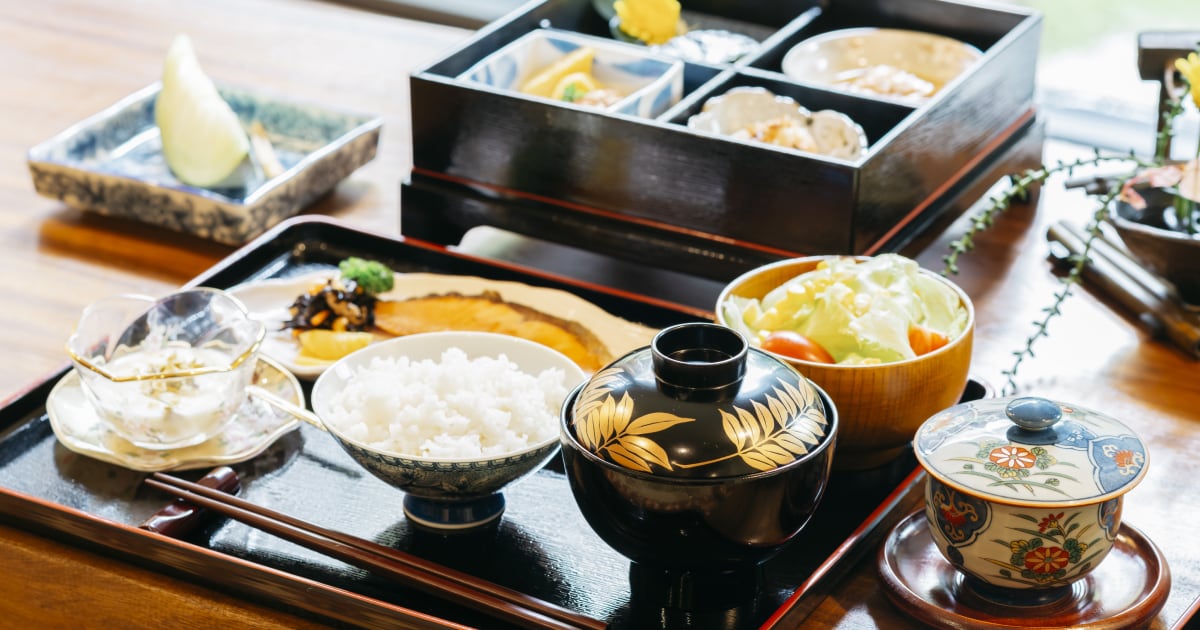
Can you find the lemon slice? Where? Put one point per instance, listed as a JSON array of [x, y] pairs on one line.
[[331, 345], [543, 82], [582, 82], [202, 139]]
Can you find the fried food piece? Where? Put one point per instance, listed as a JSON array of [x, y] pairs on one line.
[[489, 312]]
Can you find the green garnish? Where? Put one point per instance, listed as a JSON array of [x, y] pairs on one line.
[[573, 93], [372, 276]]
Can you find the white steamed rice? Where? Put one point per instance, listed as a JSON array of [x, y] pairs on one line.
[[457, 407]]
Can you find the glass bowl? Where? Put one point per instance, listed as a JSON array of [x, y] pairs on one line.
[[166, 373]]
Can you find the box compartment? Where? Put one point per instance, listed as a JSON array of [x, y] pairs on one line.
[[624, 181]]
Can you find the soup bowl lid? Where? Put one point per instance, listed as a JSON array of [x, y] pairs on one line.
[[1031, 451], [700, 403]]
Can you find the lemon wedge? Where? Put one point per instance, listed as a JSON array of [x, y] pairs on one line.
[[543, 82], [202, 139], [331, 345]]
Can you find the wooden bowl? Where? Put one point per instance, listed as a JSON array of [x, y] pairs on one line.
[[880, 406]]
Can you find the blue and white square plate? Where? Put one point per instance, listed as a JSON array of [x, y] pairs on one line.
[[651, 83], [112, 163]]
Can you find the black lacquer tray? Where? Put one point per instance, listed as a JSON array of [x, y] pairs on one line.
[[541, 546]]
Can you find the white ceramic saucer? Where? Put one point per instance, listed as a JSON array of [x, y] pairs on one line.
[[256, 427]]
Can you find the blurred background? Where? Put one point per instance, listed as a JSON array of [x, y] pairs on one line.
[[1089, 89]]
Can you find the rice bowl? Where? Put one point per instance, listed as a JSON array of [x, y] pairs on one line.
[[453, 408], [450, 418]]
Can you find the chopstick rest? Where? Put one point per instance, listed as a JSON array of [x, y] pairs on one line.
[[429, 577], [180, 517]]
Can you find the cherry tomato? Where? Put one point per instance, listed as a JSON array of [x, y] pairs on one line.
[[797, 346], [924, 340]]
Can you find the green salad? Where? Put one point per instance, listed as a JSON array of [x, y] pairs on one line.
[[852, 312]]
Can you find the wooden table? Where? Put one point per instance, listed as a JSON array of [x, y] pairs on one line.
[[64, 60]]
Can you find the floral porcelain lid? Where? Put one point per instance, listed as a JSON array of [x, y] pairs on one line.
[[700, 403], [1031, 451]]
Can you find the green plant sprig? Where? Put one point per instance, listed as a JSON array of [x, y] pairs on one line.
[[1163, 138], [1020, 188], [1067, 282], [1021, 185]]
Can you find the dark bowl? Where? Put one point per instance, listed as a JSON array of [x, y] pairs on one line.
[[684, 533], [1168, 252]]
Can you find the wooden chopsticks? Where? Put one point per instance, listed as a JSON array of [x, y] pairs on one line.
[[437, 580]]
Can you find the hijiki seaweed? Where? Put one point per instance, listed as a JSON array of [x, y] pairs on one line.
[[339, 304]]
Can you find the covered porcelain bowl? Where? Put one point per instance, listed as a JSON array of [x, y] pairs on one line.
[[1024, 494], [698, 458]]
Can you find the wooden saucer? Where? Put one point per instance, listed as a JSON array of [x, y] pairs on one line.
[[1125, 591]]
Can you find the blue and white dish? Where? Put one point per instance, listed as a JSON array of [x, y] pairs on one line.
[[112, 163], [441, 493], [651, 82]]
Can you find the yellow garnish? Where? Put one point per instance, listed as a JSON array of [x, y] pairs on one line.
[[331, 345], [1190, 69], [543, 82], [652, 21]]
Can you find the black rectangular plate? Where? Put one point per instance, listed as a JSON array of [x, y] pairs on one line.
[[541, 546]]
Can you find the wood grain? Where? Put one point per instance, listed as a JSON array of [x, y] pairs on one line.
[[1096, 357], [64, 60]]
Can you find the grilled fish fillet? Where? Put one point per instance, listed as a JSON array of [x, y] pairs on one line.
[[488, 312]]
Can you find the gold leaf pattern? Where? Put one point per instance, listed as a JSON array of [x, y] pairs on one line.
[[766, 420], [772, 432], [645, 449], [597, 389], [785, 399], [622, 456], [758, 462], [776, 453], [605, 425], [653, 423], [787, 420], [733, 429], [793, 443], [622, 415], [749, 424], [778, 408]]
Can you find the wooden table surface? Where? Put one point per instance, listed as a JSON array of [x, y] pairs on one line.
[[63, 60]]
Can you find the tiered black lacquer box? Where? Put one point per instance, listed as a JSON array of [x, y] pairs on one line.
[[657, 192]]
